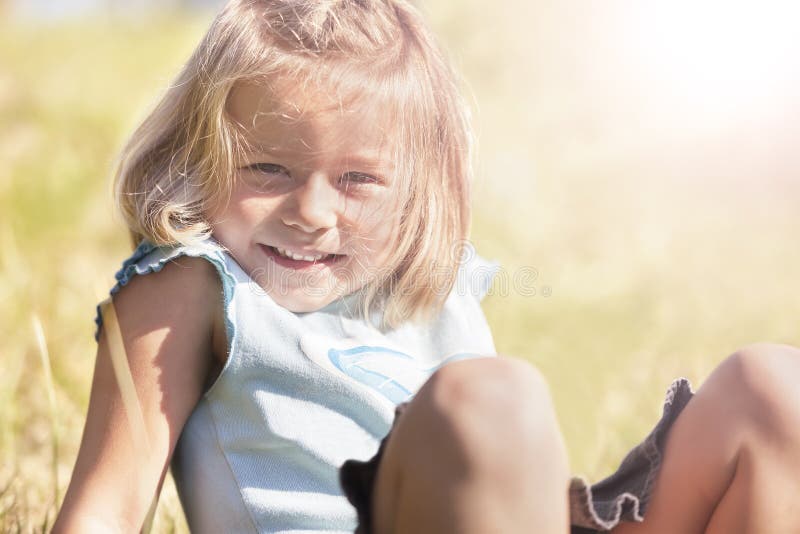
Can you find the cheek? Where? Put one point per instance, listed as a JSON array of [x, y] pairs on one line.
[[247, 209], [372, 213], [379, 229]]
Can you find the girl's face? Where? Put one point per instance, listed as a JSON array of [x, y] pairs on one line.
[[314, 208]]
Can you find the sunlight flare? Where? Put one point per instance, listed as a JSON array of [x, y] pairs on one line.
[[723, 54]]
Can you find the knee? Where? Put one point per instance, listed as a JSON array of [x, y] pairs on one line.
[[763, 379], [491, 387], [496, 405], [487, 380]]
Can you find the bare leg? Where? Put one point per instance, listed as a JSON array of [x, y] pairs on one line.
[[732, 460], [478, 450]]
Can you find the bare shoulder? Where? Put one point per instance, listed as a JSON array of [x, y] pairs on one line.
[[168, 321], [183, 293]]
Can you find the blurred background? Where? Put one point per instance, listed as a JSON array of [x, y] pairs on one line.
[[640, 157]]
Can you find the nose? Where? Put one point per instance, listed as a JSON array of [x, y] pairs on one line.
[[315, 205]]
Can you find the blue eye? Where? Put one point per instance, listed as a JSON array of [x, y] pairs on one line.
[[359, 178], [268, 168], [267, 178]]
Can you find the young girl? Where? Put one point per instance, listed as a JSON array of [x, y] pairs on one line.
[[299, 202]]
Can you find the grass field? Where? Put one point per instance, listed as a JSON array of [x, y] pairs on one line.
[[664, 232]]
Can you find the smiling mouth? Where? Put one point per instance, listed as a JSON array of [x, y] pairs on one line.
[[295, 260]]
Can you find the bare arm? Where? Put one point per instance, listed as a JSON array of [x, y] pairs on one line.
[[166, 320]]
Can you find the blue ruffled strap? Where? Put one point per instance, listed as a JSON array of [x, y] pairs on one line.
[[150, 258]]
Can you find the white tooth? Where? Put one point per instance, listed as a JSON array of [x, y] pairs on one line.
[[288, 254]]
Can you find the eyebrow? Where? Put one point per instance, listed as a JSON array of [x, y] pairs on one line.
[[365, 160]]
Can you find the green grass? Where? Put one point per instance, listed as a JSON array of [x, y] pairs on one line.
[[663, 250]]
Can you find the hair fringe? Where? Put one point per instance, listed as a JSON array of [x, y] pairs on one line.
[[180, 162]]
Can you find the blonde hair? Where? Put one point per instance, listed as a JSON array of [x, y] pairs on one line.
[[180, 161]]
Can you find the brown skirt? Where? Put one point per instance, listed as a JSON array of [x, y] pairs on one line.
[[599, 507]]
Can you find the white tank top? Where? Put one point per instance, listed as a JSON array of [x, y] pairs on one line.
[[301, 393]]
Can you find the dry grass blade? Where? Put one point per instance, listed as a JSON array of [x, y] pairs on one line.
[[41, 342], [13, 511], [130, 401], [119, 362]]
